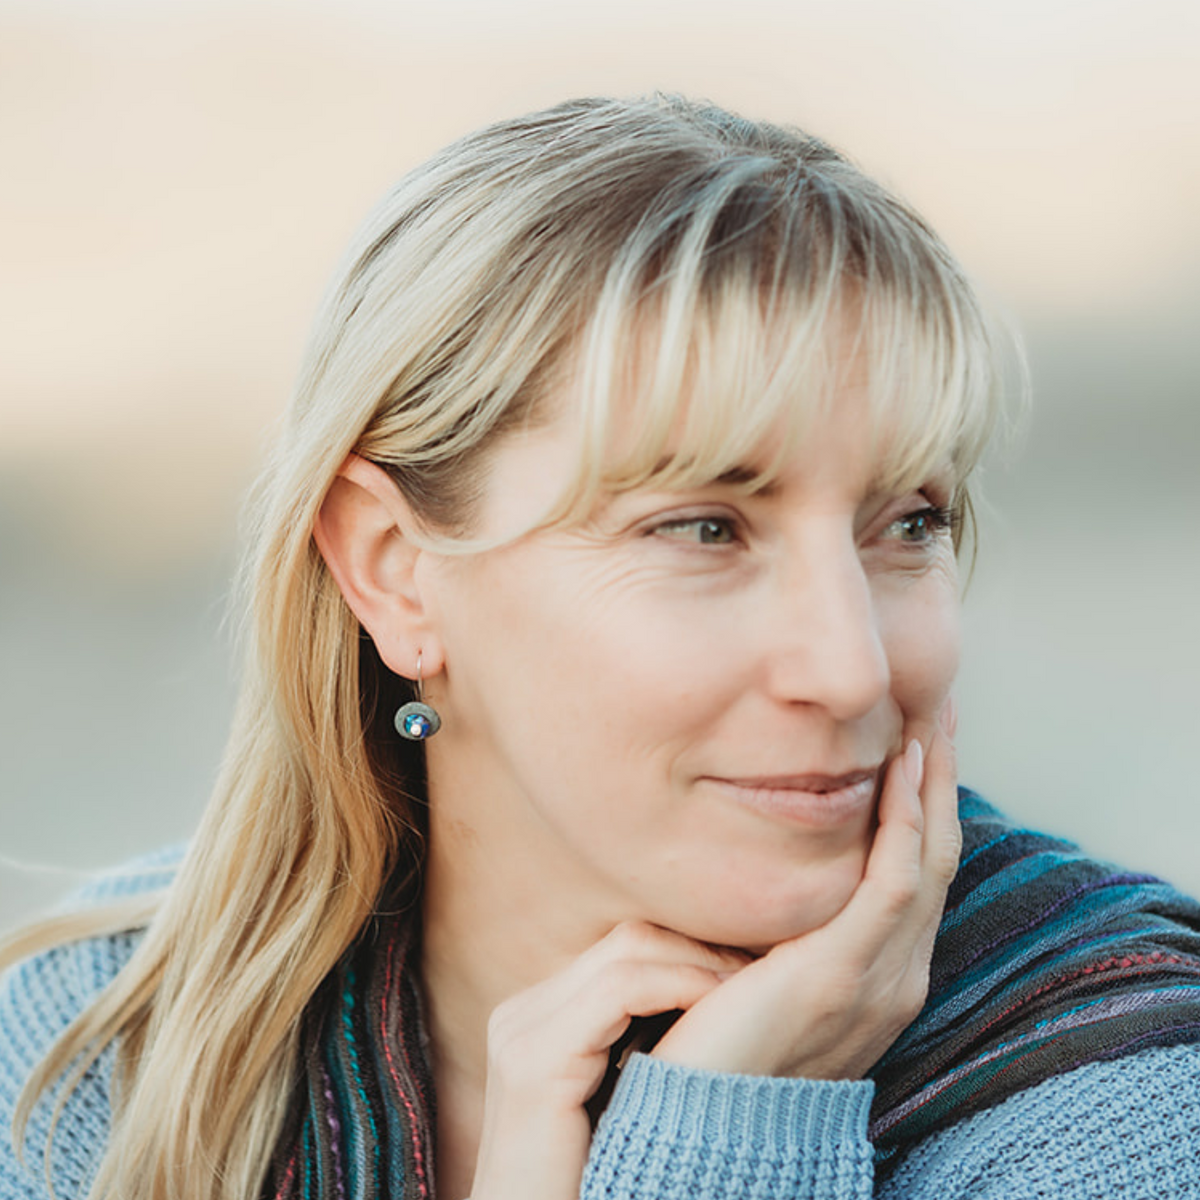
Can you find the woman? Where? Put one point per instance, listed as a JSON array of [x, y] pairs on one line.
[[594, 755]]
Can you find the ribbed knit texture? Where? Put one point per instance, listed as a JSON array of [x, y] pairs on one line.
[[674, 1132], [1128, 1129]]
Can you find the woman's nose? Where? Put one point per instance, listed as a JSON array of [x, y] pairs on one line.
[[828, 649]]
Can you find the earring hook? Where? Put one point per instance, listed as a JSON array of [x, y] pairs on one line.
[[416, 720]]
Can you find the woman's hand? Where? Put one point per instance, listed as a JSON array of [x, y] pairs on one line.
[[828, 1004], [825, 1005], [548, 1052]]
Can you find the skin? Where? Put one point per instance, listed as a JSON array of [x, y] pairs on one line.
[[619, 823]]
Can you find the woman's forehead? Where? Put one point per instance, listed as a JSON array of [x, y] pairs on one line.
[[846, 436]]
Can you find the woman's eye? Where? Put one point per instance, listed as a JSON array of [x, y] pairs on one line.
[[704, 531], [922, 526]]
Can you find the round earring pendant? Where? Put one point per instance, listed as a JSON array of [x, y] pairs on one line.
[[416, 721]]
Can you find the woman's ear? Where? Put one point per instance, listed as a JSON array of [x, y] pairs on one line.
[[363, 531]]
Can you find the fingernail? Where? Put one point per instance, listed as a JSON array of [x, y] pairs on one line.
[[914, 764], [950, 716]]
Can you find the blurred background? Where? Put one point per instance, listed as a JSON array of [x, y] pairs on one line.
[[177, 180]]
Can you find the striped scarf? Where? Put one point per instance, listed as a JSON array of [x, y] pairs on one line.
[[1045, 960]]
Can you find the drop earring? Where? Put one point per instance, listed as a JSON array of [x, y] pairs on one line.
[[417, 720]]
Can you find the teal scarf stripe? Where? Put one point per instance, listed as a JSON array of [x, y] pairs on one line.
[[306, 1150], [363, 1105], [1018, 875], [1007, 990], [1097, 920]]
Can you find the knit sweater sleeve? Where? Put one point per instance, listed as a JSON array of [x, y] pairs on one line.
[[1129, 1127], [671, 1132], [39, 998]]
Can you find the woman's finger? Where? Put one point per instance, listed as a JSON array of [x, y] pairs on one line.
[[893, 876], [916, 847], [640, 941], [636, 970], [591, 1019], [943, 833]]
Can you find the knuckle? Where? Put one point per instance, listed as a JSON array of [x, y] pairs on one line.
[[503, 1046], [947, 770], [633, 937], [947, 839], [900, 889], [502, 1024], [954, 849], [911, 988], [954, 840], [951, 757], [917, 988], [908, 1013], [945, 863]]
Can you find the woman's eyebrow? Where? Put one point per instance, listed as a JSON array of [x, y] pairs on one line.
[[741, 476], [737, 476], [940, 474]]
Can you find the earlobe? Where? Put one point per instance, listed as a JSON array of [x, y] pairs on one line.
[[360, 531]]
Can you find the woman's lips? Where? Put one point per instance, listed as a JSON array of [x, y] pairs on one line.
[[819, 800]]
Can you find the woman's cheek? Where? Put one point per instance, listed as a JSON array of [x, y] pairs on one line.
[[921, 633]]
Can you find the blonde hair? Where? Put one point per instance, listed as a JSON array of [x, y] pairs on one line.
[[523, 264]]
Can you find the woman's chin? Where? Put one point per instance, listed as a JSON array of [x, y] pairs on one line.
[[757, 917]]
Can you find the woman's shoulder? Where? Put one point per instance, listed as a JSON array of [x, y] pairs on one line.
[[40, 996], [1130, 1125], [50, 987], [147, 873], [83, 965]]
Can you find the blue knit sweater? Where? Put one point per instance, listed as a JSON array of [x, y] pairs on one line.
[[1128, 1128]]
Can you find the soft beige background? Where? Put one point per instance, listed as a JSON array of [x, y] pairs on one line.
[[177, 178]]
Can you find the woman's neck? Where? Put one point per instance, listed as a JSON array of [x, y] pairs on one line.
[[485, 937], [503, 909], [489, 931]]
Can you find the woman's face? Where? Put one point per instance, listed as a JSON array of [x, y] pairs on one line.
[[680, 712]]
